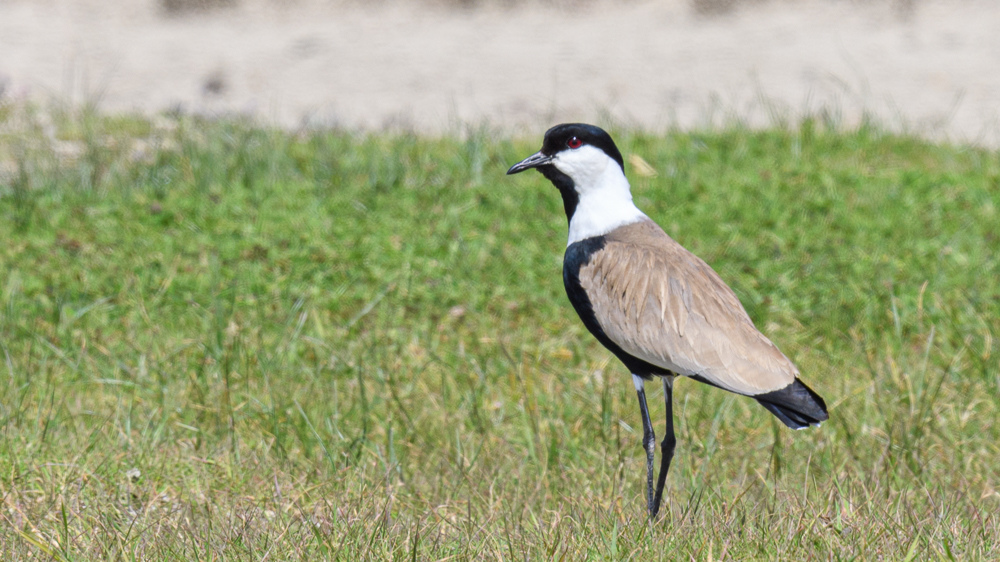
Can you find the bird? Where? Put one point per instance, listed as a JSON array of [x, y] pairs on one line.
[[661, 310]]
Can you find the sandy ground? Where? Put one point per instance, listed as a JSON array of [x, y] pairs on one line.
[[436, 68]]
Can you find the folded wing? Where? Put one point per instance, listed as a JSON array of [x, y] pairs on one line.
[[664, 305]]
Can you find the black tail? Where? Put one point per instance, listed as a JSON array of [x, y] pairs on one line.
[[796, 405]]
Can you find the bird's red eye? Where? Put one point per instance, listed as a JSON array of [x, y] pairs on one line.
[[574, 143]]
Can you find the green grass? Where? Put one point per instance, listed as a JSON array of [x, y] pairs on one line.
[[327, 345]]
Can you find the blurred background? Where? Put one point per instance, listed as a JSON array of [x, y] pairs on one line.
[[346, 336], [923, 66]]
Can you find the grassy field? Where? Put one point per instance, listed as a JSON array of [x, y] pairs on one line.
[[225, 342]]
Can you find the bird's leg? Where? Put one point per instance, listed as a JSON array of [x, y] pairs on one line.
[[648, 442], [667, 445]]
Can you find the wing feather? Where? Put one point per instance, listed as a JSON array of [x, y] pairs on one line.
[[664, 305]]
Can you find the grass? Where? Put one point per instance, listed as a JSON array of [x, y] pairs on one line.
[[221, 341]]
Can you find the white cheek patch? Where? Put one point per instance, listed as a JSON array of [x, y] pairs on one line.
[[585, 164]]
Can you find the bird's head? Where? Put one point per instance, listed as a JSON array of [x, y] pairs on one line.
[[580, 152], [584, 163]]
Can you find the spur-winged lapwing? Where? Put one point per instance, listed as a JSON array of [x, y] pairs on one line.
[[659, 308]]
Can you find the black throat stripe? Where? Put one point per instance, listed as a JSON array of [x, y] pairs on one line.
[[565, 186]]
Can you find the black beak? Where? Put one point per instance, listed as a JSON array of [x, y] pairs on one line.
[[535, 160]]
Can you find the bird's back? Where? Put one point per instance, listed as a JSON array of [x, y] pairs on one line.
[[640, 290]]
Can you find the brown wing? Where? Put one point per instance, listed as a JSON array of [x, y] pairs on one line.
[[666, 306]]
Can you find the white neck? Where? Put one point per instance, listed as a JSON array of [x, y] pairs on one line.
[[605, 197], [596, 216]]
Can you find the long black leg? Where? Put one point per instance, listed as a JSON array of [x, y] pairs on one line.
[[666, 446], [648, 442]]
